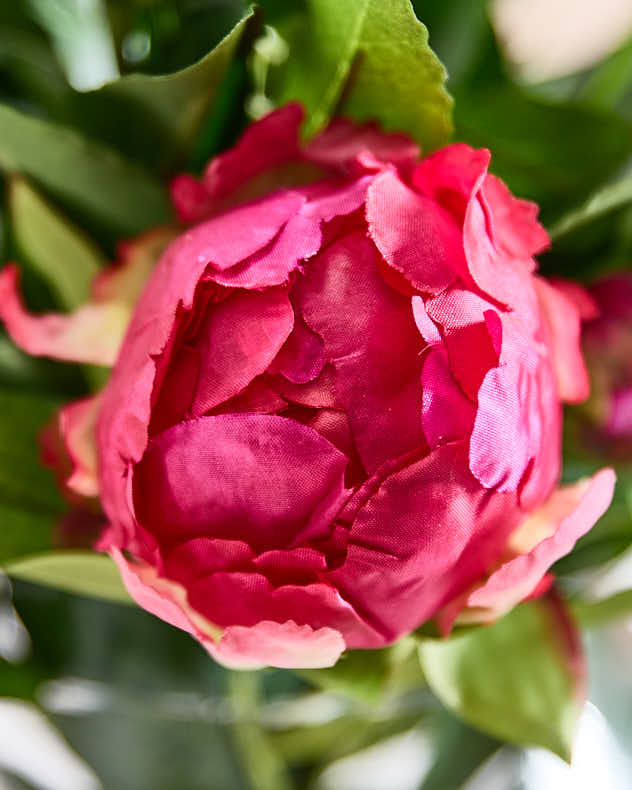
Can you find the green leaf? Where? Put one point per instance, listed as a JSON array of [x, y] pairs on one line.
[[60, 252], [90, 177], [81, 572], [365, 59], [459, 751], [553, 154], [591, 614], [514, 680], [610, 198], [157, 117], [30, 503]]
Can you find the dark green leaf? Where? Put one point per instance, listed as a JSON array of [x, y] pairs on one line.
[[93, 179], [66, 258], [29, 501], [157, 117], [367, 60], [515, 680], [610, 198]]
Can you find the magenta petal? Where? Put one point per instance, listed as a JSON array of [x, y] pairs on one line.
[[415, 235], [446, 414], [516, 227], [569, 513], [301, 359], [285, 645], [238, 340], [251, 477], [201, 556], [421, 538], [426, 326], [371, 337]]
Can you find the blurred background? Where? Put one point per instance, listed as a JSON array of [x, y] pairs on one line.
[[99, 695]]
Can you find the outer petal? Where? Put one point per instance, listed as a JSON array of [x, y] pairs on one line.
[[279, 645], [567, 515], [563, 322], [251, 477], [77, 424], [92, 334], [446, 414]]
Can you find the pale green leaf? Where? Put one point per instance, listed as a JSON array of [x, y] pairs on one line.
[[592, 614], [366, 59], [514, 680], [89, 176], [81, 572], [57, 250]]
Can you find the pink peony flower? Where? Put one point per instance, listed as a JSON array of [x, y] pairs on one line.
[[336, 412], [607, 341]]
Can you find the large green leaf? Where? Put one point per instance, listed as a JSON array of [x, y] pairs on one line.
[[592, 614], [516, 680], [29, 501], [82, 572], [60, 252], [365, 59], [94, 179], [157, 117]]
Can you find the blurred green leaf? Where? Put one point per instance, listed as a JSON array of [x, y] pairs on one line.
[[514, 680], [60, 252], [157, 117], [81, 572], [591, 614], [459, 751], [610, 198], [29, 501], [367, 60], [95, 180]]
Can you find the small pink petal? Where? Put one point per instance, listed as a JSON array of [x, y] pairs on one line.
[[446, 414], [77, 425], [301, 358]]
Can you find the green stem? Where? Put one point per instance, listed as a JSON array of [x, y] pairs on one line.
[[261, 763]]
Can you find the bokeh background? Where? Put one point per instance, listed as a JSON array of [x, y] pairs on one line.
[[99, 695]]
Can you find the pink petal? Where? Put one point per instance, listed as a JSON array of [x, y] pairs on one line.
[[567, 515], [415, 235], [279, 645], [250, 477], [370, 335], [265, 144], [190, 199], [91, 334], [563, 322]]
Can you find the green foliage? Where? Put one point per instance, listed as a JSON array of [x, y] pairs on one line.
[[30, 503], [592, 614], [96, 181], [60, 252], [514, 680], [459, 751], [365, 60], [609, 198], [81, 572]]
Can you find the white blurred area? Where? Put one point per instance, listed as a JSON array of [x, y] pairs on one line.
[[32, 750], [552, 38]]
